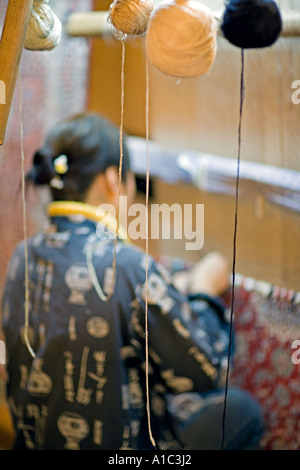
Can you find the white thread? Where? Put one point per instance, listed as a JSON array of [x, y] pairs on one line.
[[147, 253], [26, 303], [44, 28], [89, 255], [93, 274]]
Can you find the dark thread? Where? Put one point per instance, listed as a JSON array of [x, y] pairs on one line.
[[234, 241]]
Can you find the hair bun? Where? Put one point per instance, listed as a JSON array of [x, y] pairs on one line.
[[42, 171]]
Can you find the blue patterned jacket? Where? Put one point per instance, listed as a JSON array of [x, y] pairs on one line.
[[86, 386]]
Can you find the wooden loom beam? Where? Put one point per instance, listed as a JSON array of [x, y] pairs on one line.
[[11, 47], [95, 23]]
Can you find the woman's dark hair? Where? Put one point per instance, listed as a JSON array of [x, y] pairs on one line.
[[91, 144]]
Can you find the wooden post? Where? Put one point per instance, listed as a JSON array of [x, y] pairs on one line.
[[11, 47]]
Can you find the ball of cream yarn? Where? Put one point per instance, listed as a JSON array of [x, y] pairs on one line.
[[130, 17], [44, 28], [182, 38]]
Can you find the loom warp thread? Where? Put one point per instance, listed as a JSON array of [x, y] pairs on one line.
[[251, 23], [182, 38]]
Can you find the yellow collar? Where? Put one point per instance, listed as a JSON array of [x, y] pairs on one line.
[[69, 208]]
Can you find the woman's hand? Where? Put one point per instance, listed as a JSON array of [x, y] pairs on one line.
[[211, 275]]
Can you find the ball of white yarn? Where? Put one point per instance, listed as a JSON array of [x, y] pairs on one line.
[[130, 17], [44, 28], [182, 39]]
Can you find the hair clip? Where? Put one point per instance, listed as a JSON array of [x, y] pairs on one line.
[[57, 183], [61, 164], [61, 167]]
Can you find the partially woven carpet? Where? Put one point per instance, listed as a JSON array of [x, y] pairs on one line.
[[266, 322]]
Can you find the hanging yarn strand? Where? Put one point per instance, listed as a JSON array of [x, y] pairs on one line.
[[89, 254], [131, 17], [44, 28], [242, 93], [121, 159], [43, 33], [248, 24], [23, 177], [147, 254]]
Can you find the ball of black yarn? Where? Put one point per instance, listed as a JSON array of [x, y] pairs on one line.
[[251, 23]]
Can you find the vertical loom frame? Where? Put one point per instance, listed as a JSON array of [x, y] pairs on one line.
[[11, 47]]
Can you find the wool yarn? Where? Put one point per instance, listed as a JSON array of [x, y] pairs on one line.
[[44, 28], [182, 38], [130, 17], [251, 23]]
